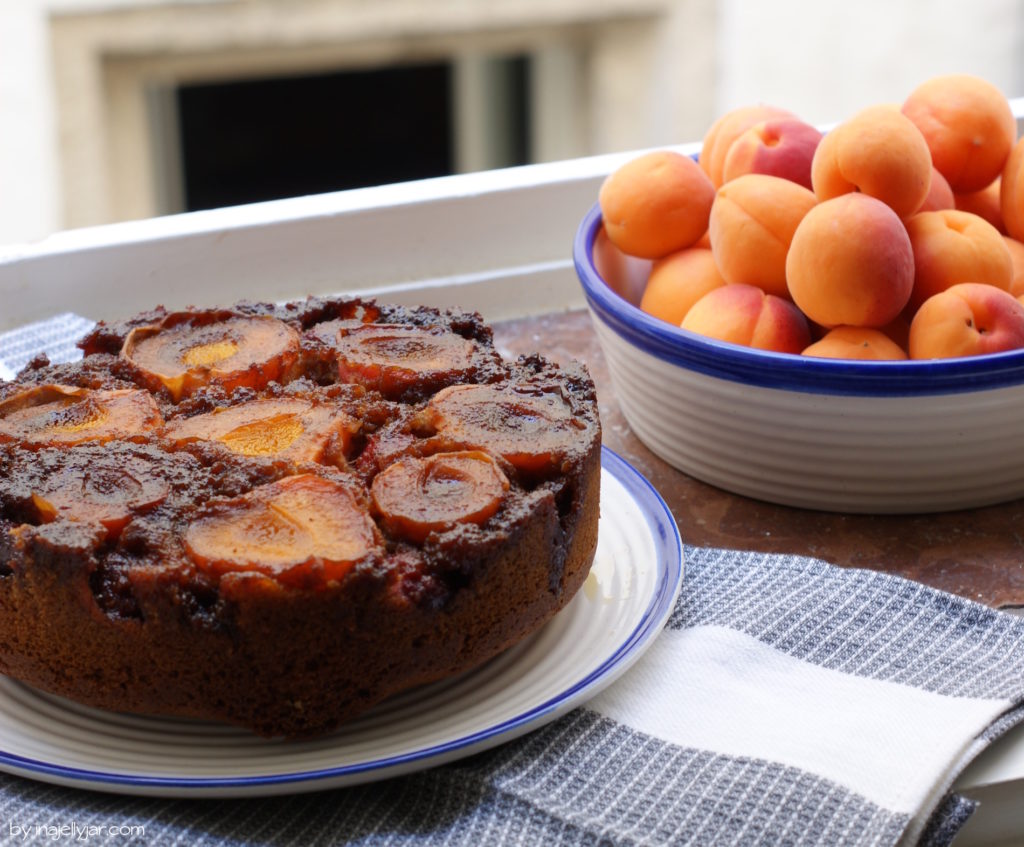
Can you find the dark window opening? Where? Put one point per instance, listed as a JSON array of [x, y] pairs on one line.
[[242, 142], [266, 139], [519, 111]]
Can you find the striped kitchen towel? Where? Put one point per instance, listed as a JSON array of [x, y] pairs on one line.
[[788, 702], [55, 337]]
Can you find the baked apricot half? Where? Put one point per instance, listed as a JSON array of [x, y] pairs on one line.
[[108, 488], [532, 431], [395, 359], [294, 429], [416, 496], [187, 351], [300, 530], [62, 416]]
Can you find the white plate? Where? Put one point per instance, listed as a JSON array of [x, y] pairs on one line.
[[629, 594]]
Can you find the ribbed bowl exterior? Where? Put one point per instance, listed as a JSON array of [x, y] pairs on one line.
[[815, 451], [865, 437]]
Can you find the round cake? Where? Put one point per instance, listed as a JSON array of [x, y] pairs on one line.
[[278, 516]]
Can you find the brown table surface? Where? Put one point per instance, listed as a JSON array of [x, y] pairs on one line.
[[977, 553]]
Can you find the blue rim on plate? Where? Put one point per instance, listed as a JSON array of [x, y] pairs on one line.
[[766, 369], [669, 552]]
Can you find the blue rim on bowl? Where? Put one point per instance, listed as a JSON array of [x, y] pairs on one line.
[[745, 365]]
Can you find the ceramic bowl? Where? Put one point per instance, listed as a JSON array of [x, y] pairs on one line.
[[830, 434]]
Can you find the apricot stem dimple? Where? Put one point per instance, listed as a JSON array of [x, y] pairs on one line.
[[967, 319]]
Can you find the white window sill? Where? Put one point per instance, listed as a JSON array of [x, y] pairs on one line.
[[497, 241]]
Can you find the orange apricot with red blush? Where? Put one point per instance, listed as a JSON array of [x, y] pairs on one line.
[[745, 315], [952, 247], [967, 125], [969, 319], [877, 152], [856, 342], [850, 262], [753, 220], [656, 204], [725, 130], [782, 147], [678, 281]]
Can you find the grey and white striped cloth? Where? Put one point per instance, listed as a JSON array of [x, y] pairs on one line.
[[55, 337], [788, 702]]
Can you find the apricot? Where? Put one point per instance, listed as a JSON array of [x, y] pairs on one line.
[[744, 314], [1011, 192], [396, 360], [968, 319], [326, 332], [292, 429], [897, 331], [855, 342], [940, 195], [877, 152], [108, 488], [678, 281], [62, 416], [968, 127], [417, 496], [656, 204], [951, 247], [186, 351], [531, 430], [624, 274], [300, 530], [752, 223], [984, 203], [850, 262], [782, 147], [725, 130], [1017, 261]]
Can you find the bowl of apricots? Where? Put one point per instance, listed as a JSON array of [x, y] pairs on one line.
[[827, 320]]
